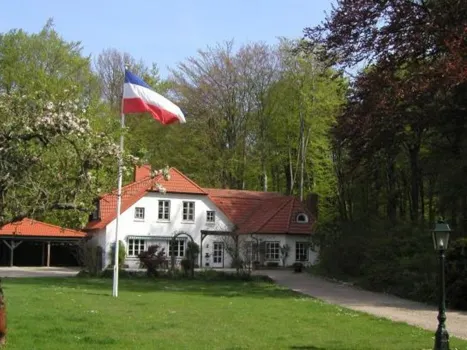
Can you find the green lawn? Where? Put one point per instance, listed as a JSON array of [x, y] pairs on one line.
[[78, 313]]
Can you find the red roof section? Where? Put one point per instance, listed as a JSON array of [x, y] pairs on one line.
[[131, 193], [250, 211], [179, 183], [33, 228], [262, 212]]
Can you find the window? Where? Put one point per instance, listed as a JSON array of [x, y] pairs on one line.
[[95, 215], [302, 218], [272, 250], [301, 251], [135, 247], [177, 248], [164, 210], [210, 216], [188, 211], [139, 213]]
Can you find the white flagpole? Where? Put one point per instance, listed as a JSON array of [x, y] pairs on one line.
[[119, 203]]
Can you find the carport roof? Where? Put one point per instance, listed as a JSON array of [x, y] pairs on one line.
[[32, 228]]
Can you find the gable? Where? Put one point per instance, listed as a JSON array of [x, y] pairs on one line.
[[262, 212], [131, 193]]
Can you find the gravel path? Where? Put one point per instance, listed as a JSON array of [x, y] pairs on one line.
[[378, 304], [39, 271]]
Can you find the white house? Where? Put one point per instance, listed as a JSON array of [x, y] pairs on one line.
[[259, 224]]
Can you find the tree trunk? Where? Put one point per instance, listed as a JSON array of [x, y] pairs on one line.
[[414, 152], [288, 179], [391, 209]]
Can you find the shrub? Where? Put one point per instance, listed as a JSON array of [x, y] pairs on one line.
[[121, 253], [272, 264], [89, 256], [186, 265], [152, 259]]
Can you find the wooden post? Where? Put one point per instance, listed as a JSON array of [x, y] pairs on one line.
[[13, 245], [48, 254], [43, 254]]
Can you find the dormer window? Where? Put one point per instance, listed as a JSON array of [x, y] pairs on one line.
[[302, 218], [95, 215]]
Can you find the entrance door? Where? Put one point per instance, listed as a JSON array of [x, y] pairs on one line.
[[218, 254]]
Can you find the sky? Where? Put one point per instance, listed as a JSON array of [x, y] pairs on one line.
[[164, 32]]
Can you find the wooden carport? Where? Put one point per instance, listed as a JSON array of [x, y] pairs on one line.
[[37, 232]]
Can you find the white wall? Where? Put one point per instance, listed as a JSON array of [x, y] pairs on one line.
[[151, 226], [283, 239]]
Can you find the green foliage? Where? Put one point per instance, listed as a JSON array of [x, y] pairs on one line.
[[52, 155], [152, 259], [121, 253]]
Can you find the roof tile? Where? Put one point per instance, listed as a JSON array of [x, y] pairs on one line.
[[29, 227]]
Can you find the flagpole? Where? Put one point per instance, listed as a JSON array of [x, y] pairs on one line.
[[119, 203]]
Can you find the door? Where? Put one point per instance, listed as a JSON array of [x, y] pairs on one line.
[[218, 254]]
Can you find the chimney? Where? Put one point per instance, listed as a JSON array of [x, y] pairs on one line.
[[142, 172], [311, 203]]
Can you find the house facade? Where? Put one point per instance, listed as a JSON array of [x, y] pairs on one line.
[[258, 225]]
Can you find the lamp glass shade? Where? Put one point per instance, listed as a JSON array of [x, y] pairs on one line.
[[441, 236]]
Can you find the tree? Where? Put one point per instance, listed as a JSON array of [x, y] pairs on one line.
[[400, 142], [52, 155], [225, 92]]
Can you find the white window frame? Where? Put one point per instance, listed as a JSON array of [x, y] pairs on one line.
[[300, 248], [180, 248], [138, 217], [272, 254], [208, 219], [302, 218], [186, 215], [135, 246], [164, 210]]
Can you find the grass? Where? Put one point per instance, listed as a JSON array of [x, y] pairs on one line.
[[79, 313]]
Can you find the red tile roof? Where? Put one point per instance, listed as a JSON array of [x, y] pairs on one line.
[[250, 211], [134, 191], [33, 228], [262, 212], [179, 183]]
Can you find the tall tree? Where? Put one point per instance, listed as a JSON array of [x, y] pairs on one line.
[[52, 155]]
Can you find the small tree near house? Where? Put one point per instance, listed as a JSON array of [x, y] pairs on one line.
[[284, 250], [152, 259], [121, 253]]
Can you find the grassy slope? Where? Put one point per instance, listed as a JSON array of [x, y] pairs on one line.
[[81, 314]]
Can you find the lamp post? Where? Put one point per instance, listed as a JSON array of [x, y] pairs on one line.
[[440, 242]]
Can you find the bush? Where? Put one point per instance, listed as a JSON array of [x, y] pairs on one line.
[[89, 256], [122, 274], [186, 265], [272, 264], [212, 275], [121, 253], [152, 260]]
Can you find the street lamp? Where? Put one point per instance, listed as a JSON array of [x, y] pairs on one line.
[[440, 242]]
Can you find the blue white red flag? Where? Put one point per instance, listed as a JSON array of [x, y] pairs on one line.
[[139, 97]]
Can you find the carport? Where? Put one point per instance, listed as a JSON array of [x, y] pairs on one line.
[[35, 243]]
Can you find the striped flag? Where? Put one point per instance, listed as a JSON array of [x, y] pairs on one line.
[[139, 97]]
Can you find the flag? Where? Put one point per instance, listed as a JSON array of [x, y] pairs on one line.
[[138, 97]]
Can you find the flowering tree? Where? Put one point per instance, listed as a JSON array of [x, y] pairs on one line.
[[50, 157]]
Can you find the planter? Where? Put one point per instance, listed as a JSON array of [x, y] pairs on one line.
[[298, 267]]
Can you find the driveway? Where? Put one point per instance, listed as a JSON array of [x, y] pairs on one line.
[[37, 271], [378, 304]]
